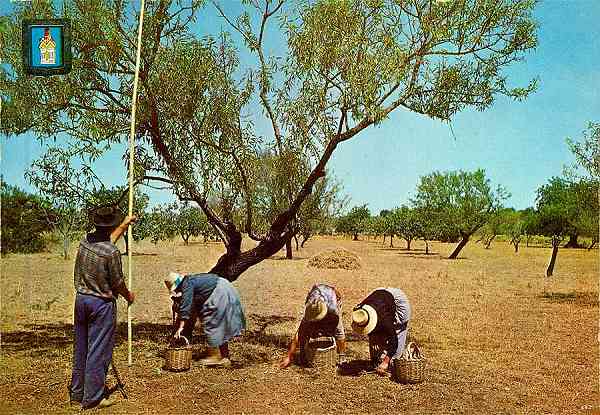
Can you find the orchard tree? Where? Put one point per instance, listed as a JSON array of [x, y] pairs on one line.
[[513, 225], [408, 224], [494, 227], [381, 223], [462, 202], [25, 218], [570, 202], [566, 209], [64, 186], [531, 224], [587, 155], [189, 221], [158, 224], [354, 222], [429, 225], [343, 66]]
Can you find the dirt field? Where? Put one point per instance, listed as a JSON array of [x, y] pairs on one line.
[[499, 337]]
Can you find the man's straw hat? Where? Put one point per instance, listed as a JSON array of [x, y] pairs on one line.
[[315, 310], [364, 319], [172, 282]]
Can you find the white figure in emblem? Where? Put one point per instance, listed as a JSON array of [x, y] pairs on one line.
[[47, 49]]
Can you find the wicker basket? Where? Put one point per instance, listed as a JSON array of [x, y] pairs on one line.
[[320, 352], [179, 358], [410, 367]]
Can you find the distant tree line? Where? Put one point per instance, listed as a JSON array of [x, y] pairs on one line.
[[457, 206]]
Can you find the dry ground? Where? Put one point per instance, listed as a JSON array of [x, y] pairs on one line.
[[499, 337]]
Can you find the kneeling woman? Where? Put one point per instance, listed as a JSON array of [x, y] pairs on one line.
[[384, 316], [218, 305]]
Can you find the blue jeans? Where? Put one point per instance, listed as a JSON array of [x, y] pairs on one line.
[[95, 323]]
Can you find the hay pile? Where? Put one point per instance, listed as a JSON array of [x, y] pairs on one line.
[[336, 259]]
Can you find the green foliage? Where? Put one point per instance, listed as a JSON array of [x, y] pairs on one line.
[[25, 218], [347, 65], [164, 222], [567, 208], [457, 203], [354, 222], [317, 214], [587, 151], [408, 224], [190, 221]]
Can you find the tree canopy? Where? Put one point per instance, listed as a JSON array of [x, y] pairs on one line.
[[462, 201], [344, 66]]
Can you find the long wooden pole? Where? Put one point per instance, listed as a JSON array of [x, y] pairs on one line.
[[131, 157]]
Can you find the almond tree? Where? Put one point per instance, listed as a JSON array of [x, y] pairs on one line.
[[461, 201], [343, 66]]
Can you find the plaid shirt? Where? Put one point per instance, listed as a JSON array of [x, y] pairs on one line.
[[98, 270]]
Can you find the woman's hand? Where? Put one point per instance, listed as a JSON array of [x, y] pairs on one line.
[[178, 333], [285, 362], [382, 369]]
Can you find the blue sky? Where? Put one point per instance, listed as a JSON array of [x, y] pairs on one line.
[[519, 144]]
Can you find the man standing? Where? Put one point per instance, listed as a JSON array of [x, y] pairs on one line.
[[98, 278]]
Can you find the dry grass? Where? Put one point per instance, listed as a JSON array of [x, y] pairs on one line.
[[499, 337]]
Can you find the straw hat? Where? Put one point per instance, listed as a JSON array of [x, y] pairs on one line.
[[172, 282], [315, 310], [364, 319]]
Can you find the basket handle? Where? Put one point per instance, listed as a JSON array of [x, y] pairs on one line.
[[187, 342], [416, 351], [324, 349]]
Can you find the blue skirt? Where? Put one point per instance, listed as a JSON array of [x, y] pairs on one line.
[[222, 314]]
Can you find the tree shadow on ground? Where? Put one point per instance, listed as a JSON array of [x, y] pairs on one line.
[[283, 258], [419, 254], [259, 337], [38, 339], [584, 298]]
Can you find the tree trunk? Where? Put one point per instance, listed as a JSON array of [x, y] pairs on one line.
[[383, 243], [391, 241], [555, 243], [459, 247], [573, 243], [296, 240], [516, 244], [234, 262], [304, 239], [355, 237], [489, 242], [593, 244], [288, 249], [185, 238], [426, 247], [408, 241]]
